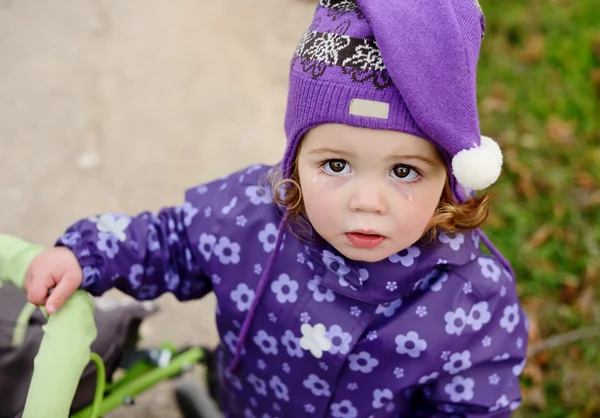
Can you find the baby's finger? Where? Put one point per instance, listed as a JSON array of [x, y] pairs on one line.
[[37, 290], [59, 295]]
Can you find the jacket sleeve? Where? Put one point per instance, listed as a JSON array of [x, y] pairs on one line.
[[151, 253], [480, 377]]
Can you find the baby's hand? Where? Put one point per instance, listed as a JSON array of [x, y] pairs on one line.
[[55, 269]]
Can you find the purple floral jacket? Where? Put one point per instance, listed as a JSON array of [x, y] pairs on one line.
[[433, 331]]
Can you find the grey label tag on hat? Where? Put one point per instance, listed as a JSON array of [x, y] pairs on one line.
[[369, 108]]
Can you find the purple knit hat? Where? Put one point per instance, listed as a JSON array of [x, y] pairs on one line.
[[402, 65]]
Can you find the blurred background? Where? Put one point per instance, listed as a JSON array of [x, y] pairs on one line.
[[113, 105]]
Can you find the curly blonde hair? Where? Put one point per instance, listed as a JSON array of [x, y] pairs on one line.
[[449, 217]]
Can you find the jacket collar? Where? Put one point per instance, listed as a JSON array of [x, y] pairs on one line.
[[397, 276]]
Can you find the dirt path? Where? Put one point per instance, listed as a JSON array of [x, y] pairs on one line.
[[121, 105]]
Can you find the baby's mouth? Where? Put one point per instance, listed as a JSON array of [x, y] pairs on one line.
[[364, 239]]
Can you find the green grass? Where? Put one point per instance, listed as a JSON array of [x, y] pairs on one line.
[[539, 92]]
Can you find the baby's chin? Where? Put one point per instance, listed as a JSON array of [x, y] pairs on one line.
[[367, 255]]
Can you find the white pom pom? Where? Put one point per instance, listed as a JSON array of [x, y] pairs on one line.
[[479, 167]]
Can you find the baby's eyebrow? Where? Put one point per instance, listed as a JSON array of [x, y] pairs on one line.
[[325, 150], [422, 158]]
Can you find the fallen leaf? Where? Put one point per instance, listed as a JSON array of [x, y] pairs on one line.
[[586, 301], [586, 180], [560, 131], [533, 50], [541, 236]]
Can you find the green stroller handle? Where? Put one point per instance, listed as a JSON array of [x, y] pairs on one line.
[[65, 348]]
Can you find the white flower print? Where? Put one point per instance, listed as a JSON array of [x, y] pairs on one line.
[[406, 257], [286, 367], [292, 344], [314, 339], [280, 389], [519, 342], [241, 220], [223, 185], [266, 343], [501, 357], [340, 340], [445, 355], [503, 291], [259, 385], [372, 335], [489, 268], [320, 292], [388, 309], [114, 224], [326, 48], [268, 237], [433, 281], [207, 211], [467, 288], [458, 362], [502, 402], [257, 269], [494, 379], [171, 280], [90, 274], [261, 364], [235, 382], [189, 211], [304, 317], [352, 386], [135, 275], [381, 397], [460, 389], [344, 409], [476, 238], [108, 243], [514, 405], [70, 238], [479, 315], [366, 56], [518, 369], [272, 317], [455, 321], [410, 344], [355, 311], [429, 378], [207, 244], [487, 341], [317, 386], [300, 258], [231, 341], [254, 402], [226, 210], [334, 263], [285, 289], [227, 251], [243, 297], [259, 195], [309, 408], [510, 318], [362, 362], [391, 286], [454, 242], [421, 311], [216, 279], [202, 189], [324, 366], [399, 372]]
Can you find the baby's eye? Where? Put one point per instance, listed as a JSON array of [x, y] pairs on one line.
[[336, 167], [404, 172]]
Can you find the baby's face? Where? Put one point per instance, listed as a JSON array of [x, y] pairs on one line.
[[369, 193]]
